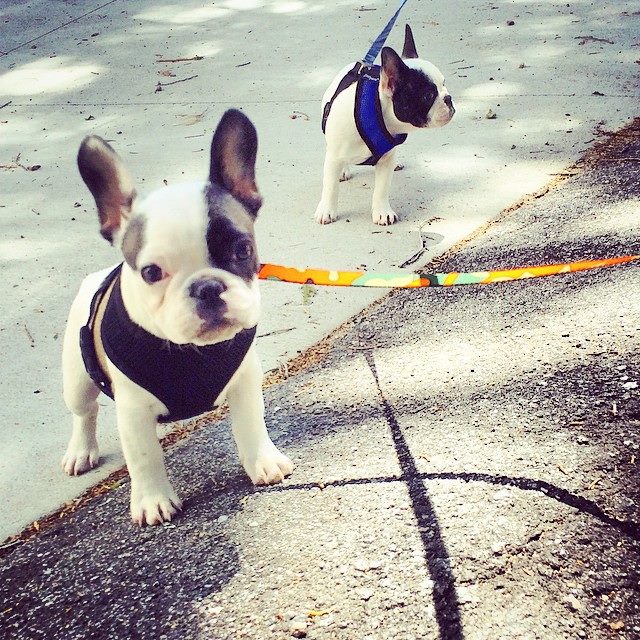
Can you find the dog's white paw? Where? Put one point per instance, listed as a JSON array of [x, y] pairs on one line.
[[384, 217], [324, 214], [80, 457], [154, 506], [267, 466], [345, 174]]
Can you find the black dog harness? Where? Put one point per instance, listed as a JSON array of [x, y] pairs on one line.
[[367, 111], [187, 379]]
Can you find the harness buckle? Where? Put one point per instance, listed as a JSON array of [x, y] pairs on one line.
[[360, 67]]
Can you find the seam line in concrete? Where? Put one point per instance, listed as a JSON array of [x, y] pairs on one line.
[[290, 101], [61, 26]]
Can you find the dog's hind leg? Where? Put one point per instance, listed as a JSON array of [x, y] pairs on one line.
[[328, 205], [80, 395]]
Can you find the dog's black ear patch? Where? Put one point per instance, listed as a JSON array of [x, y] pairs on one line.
[[409, 48], [109, 181], [413, 97], [233, 159]]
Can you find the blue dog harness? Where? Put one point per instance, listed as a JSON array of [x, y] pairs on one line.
[[367, 111], [187, 379]]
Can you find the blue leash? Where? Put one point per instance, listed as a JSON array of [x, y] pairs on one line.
[[381, 39]]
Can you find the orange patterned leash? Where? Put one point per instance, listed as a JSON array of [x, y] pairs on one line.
[[326, 277]]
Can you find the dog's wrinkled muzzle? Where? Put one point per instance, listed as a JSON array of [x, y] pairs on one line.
[[210, 307]]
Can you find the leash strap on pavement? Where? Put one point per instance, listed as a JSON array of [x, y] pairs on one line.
[[325, 277], [378, 43]]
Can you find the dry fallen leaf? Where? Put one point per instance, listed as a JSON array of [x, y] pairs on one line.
[[188, 119], [490, 115], [616, 626]]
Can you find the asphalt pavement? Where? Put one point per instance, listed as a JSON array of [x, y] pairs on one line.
[[466, 467]]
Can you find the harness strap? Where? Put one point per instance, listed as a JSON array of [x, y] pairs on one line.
[[347, 81], [367, 111], [87, 335], [369, 118]]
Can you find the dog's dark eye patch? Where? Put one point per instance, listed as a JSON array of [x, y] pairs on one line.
[[230, 239], [413, 97], [231, 248]]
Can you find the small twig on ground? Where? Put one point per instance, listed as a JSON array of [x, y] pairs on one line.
[[630, 159], [6, 104], [275, 332], [594, 483], [592, 39], [181, 59], [16, 164], [166, 84], [12, 543], [29, 335]]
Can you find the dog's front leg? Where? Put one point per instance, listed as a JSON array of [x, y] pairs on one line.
[[258, 455], [328, 205], [381, 211], [153, 499]]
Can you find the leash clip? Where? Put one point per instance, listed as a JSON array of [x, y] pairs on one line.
[[360, 67]]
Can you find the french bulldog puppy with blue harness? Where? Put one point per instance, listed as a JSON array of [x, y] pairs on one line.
[[170, 332], [367, 111]]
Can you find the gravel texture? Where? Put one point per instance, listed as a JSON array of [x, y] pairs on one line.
[[467, 465]]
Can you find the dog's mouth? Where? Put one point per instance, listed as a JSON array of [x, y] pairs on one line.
[[212, 329], [439, 121], [207, 336]]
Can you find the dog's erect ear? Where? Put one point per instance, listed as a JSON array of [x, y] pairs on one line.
[[109, 182], [392, 68], [233, 159], [409, 49]]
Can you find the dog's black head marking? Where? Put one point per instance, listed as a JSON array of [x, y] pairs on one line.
[[413, 92], [232, 196], [230, 238]]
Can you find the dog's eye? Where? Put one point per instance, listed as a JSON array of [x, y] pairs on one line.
[[152, 273], [243, 250]]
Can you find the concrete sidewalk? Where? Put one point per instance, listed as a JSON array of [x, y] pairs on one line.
[[467, 467], [70, 68]]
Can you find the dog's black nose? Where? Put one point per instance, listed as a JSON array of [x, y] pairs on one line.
[[207, 291], [449, 102]]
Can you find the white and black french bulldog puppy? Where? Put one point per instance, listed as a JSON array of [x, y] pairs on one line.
[[368, 111], [170, 332]]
